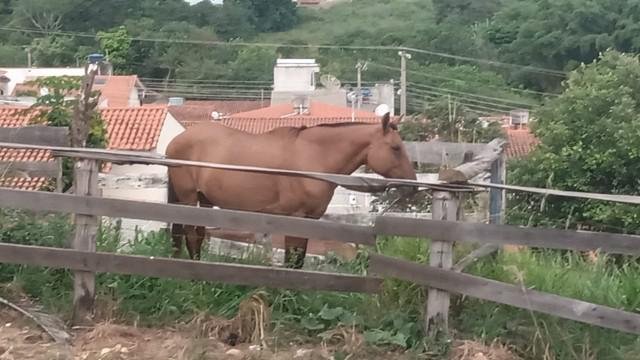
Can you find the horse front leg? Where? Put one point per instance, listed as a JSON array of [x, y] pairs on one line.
[[295, 250]]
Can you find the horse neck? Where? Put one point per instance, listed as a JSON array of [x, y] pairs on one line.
[[340, 149]]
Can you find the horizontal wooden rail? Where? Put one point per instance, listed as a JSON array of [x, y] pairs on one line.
[[48, 169], [506, 294], [191, 215], [185, 269], [36, 135], [507, 235]]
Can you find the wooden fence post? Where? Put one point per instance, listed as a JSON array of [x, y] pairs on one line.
[[445, 206], [86, 228]]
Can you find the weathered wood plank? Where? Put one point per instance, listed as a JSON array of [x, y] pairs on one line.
[[86, 229], [186, 269], [507, 234], [481, 162], [430, 153], [36, 135], [508, 294], [445, 207], [226, 219], [48, 169]]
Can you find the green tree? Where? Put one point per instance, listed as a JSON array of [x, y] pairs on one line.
[[55, 108], [53, 51], [450, 121], [117, 45], [465, 11], [589, 142], [272, 15], [561, 34]]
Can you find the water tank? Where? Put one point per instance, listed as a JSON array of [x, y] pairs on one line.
[[519, 117], [95, 58], [176, 101]]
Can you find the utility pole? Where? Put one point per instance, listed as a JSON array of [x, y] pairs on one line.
[[29, 61], [360, 67], [403, 81]]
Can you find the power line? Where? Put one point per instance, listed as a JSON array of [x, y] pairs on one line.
[[440, 94], [471, 106], [419, 73], [450, 91], [552, 72], [318, 46]]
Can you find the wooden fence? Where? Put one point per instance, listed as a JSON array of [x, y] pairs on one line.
[[443, 231]]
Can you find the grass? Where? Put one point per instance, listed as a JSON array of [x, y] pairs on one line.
[[391, 319]]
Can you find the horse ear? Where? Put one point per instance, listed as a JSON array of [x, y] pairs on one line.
[[385, 121], [398, 120]]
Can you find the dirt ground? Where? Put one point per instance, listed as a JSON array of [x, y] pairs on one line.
[[22, 339]]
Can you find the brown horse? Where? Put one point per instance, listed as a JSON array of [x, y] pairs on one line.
[[331, 148]]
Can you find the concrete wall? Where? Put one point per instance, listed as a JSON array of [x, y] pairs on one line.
[[295, 75], [336, 97]]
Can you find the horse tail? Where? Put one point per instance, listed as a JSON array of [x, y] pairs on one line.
[[174, 231]]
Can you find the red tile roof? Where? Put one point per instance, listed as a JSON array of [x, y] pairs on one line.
[[18, 117], [521, 141], [257, 126], [316, 109], [194, 111], [116, 89], [135, 128], [269, 118]]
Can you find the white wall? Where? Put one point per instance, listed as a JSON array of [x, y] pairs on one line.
[[346, 201], [19, 75], [155, 193], [294, 77]]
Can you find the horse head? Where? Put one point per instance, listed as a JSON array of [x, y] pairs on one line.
[[387, 155]]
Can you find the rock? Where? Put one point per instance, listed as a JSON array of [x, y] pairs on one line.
[[237, 354], [304, 354]]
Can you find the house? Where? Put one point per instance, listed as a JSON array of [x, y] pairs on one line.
[[146, 129], [520, 141], [115, 91], [11, 77]]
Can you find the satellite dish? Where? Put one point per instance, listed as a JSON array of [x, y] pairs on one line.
[[215, 115], [382, 109], [330, 82]]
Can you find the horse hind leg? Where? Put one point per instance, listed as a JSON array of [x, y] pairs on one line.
[[295, 251], [195, 237], [178, 235]]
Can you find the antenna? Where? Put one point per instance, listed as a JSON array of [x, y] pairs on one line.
[[330, 82]]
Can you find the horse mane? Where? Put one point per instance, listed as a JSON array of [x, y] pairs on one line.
[[298, 129]]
